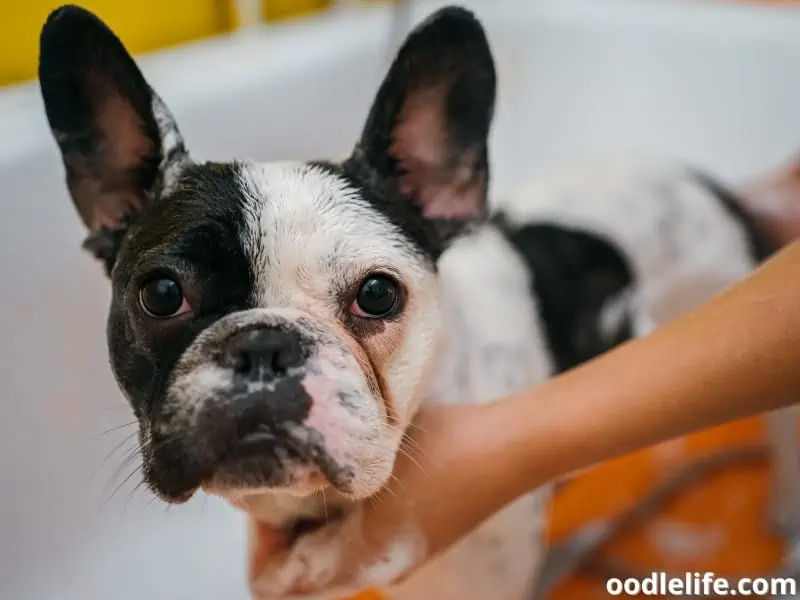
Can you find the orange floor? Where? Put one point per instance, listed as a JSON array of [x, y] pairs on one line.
[[717, 525]]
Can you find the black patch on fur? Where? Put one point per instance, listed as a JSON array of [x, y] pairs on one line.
[[105, 244], [180, 466], [195, 235], [241, 438], [575, 273], [760, 245]]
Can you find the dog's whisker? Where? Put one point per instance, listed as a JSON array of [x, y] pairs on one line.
[[161, 443], [406, 437], [130, 496], [115, 428], [376, 500], [411, 445], [414, 461], [116, 448], [417, 426], [130, 456], [394, 478], [122, 484]]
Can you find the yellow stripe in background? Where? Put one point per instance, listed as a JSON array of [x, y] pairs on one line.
[[143, 25], [282, 9]]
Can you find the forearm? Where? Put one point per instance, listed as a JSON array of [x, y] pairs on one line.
[[737, 355]]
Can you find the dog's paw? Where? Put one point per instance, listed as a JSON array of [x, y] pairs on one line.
[[337, 560], [314, 566]]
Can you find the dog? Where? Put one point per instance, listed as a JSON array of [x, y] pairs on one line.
[[276, 326]]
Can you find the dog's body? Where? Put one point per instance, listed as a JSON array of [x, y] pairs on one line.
[[276, 326]]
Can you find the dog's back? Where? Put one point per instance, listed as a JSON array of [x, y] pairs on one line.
[[683, 236]]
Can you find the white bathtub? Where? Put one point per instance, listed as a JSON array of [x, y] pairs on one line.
[[715, 84]]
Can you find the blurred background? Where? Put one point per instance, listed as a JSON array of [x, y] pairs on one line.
[[715, 84]]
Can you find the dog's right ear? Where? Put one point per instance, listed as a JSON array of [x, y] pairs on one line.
[[119, 143]]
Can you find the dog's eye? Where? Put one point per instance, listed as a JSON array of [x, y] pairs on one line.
[[162, 298], [377, 297]]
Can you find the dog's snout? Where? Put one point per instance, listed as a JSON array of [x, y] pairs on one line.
[[268, 352]]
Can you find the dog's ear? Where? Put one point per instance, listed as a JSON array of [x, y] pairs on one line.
[[119, 144], [427, 132]]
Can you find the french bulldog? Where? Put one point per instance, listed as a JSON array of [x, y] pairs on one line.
[[275, 326]]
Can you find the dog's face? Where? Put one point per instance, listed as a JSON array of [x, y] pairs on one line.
[[272, 325]]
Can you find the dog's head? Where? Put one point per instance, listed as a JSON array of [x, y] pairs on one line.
[[272, 325]]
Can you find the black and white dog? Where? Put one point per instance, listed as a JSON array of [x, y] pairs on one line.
[[276, 326]]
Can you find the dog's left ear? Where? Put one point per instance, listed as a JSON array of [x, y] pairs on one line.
[[427, 132]]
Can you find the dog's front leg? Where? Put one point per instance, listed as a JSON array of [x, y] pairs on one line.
[[336, 561]]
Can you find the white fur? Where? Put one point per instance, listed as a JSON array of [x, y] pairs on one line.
[[495, 343], [173, 149]]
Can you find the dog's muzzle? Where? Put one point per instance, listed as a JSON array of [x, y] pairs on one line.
[[236, 421]]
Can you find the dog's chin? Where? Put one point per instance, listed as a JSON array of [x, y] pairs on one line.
[[233, 478], [253, 475], [296, 465], [242, 482]]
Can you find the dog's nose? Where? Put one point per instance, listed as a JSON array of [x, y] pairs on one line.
[[267, 352]]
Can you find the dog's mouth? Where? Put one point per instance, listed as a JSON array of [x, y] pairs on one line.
[[290, 457]]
